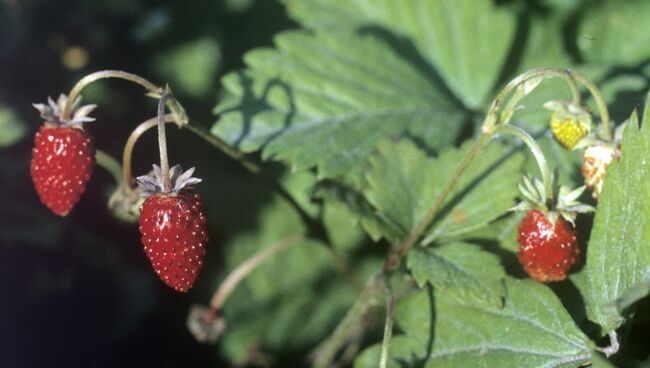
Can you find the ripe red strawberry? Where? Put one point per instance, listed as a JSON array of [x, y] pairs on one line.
[[547, 239], [173, 228], [546, 251], [63, 157]]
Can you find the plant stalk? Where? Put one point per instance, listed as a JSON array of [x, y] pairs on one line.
[[244, 269], [127, 168], [394, 258], [534, 148], [162, 144], [388, 326], [85, 81], [600, 102]]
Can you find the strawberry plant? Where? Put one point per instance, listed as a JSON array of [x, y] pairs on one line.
[[454, 183]]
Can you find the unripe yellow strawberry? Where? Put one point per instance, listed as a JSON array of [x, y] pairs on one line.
[[569, 123], [568, 131]]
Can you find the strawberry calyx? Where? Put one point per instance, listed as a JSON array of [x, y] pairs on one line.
[[153, 184], [52, 112], [565, 201]]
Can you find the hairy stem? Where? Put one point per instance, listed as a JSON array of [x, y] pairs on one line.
[[85, 81], [162, 144], [534, 148], [394, 258], [568, 75], [224, 147], [110, 164]]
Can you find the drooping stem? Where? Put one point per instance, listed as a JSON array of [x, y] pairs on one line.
[[394, 258], [534, 148], [388, 326], [244, 269], [110, 164], [569, 76], [85, 81], [162, 144], [600, 102], [127, 168]]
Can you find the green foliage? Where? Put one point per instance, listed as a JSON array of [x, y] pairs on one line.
[[317, 101], [373, 97], [619, 247], [531, 330], [271, 306], [462, 270], [403, 183], [468, 46], [611, 32]]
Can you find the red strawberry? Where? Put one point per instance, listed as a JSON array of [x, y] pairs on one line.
[[173, 228], [546, 251], [63, 157], [547, 238]]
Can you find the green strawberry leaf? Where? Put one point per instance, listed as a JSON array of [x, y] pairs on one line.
[[612, 33], [531, 330], [324, 100], [462, 270], [467, 41], [619, 248], [268, 309], [337, 193], [403, 182]]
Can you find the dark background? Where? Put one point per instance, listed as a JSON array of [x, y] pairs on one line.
[[78, 291]]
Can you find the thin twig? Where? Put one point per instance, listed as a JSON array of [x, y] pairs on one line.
[[162, 144], [245, 268], [393, 259], [127, 168], [388, 327], [90, 78]]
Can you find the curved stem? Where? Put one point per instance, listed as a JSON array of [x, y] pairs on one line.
[[127, 172], [245, 268], [111, 165], [537, 153], [492, 118], [162, 144], [600, 102], [569, 76], [76, 90], [394, 258]]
